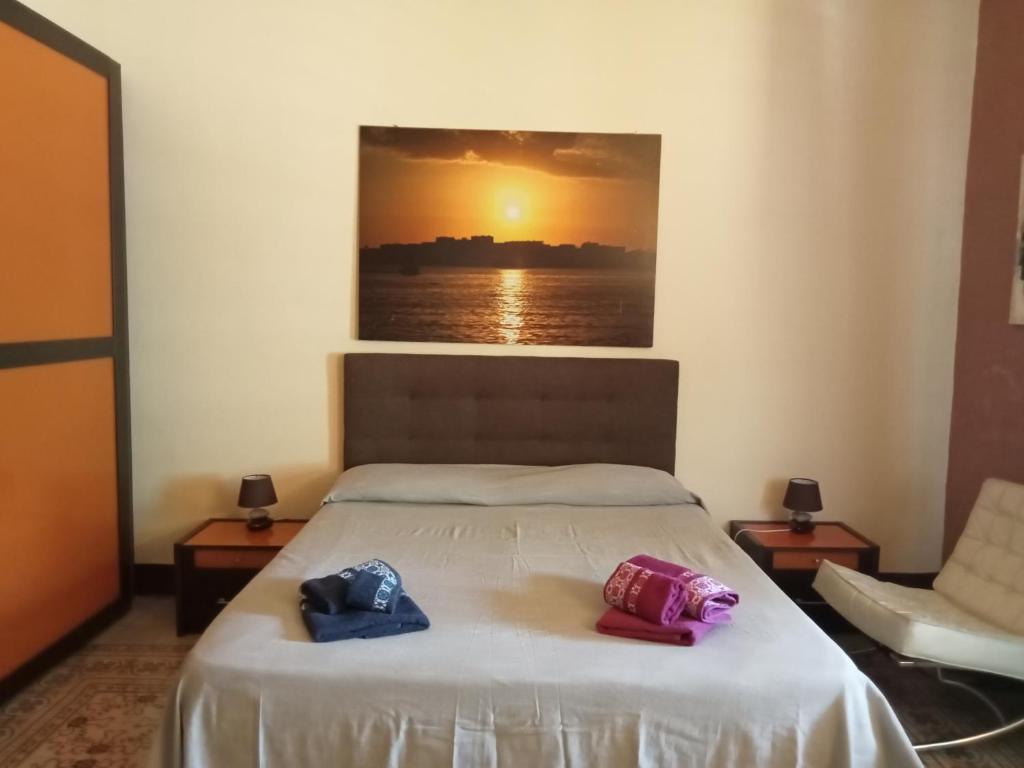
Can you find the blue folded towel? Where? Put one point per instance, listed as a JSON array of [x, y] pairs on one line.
[[325, 594], [324, 627], [370, 586]]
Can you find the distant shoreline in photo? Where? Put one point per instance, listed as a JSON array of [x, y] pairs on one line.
[[483, 251]]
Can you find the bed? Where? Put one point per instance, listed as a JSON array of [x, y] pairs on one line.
[[512, 671]]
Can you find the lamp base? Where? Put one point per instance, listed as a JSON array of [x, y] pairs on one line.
[[801, 526], [259, 520], [800, 522]]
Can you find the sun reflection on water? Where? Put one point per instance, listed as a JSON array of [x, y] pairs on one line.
[[513, 290]]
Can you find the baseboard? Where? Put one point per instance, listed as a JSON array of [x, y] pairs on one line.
[[919, 580], [154, 579], [63, 648]]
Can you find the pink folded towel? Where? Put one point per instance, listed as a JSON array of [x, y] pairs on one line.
[[704, 598], [684, 631], [650, 595]]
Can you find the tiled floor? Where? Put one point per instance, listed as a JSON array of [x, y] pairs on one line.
[[99, 708], [150, 620]]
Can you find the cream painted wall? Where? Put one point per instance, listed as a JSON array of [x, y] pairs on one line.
[[813, 168]]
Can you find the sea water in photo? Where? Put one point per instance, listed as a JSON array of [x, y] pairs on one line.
[[590, 307]]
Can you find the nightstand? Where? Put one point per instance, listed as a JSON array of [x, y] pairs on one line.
[[217, 559], [791, 559]]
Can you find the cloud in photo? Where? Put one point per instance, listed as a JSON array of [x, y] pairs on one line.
[[582, 155]]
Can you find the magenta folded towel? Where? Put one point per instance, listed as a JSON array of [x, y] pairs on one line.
[[684, 631], [705, 598], [653, 596]]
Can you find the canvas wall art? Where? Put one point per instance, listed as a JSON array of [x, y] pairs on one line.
[[507, 237], [1017, 284]]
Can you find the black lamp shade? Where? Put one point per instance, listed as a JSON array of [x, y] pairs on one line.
[[802, 495], [256, 491]]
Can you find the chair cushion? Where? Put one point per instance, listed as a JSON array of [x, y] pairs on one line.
[[985, 573], [920, 622]]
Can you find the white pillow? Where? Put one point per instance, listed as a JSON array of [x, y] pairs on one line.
[[585, 485]]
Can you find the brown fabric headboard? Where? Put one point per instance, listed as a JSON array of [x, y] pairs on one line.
[[473, 409]]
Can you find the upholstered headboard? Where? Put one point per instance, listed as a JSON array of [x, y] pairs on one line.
[[473, 409]]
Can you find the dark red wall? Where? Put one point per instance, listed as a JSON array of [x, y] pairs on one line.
[[987, 438]]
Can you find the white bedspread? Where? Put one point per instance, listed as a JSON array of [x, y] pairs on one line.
[[512, 672]]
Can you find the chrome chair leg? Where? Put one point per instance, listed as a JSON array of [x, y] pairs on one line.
[[940, 672], [967, 740]]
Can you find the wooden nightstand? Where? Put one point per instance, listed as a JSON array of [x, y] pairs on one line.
[[217, 559], [791, 559]]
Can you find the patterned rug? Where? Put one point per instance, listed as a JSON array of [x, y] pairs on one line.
[[98, 709]]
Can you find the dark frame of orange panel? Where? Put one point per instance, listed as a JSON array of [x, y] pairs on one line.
[[19, 354]]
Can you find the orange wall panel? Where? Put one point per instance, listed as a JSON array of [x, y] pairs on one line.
[[58, 509], [54, 195]]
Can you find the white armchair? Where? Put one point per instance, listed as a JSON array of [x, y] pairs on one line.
[[973, 618]]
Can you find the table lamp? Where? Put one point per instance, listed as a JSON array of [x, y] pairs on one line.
[[803, 496], [257, 492]]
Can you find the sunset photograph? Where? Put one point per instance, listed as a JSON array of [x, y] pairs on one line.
[[507, 237]]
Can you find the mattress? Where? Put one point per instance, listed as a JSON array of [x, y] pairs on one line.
[[512, 671]]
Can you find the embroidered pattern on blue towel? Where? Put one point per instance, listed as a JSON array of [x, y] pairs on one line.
[[386, 587]]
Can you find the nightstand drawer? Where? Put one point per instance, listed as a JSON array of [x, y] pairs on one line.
[[791, 560], [809, 560], [215, 561], [233, 558], [206, 591]]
